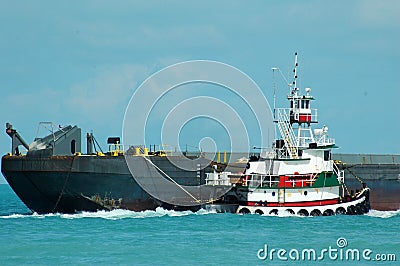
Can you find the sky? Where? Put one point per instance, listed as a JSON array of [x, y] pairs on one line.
[[79, 62]]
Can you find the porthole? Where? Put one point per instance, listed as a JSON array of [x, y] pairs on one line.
[[305, 193], [273, 194]]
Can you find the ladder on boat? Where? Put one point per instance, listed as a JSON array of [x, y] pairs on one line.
[[287, 133]]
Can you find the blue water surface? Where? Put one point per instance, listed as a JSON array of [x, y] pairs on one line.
[[164, 237]]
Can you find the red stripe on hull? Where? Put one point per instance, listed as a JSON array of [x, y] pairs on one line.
[[296, 204]]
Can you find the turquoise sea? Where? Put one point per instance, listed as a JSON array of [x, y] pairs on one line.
[[164, 237]]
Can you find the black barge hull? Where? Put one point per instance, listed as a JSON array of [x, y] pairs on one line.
[[68, 184]]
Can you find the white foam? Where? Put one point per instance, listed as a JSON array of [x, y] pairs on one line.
[[123, 214], [159, 212], [33, 215], [383, 214], [13, 216], [112, 215]]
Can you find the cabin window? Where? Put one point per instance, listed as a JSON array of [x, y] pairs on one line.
[[307, 104], [327, 155], [291, 104], [73, 146], [302, 104]]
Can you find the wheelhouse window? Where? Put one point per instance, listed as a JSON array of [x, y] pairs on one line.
[[327, 155]]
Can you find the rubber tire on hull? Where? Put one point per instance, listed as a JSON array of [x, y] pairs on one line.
[[340, 211], [358, 209], [351, 210], [274, 212], [363, 208], [244, 211], [290, 211], [303, 212], [315, 213], [260, 212], [328, 212]]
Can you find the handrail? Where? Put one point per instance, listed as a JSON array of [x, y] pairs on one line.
[[116, 149], [339, 173], [256, 180], [313, 113]]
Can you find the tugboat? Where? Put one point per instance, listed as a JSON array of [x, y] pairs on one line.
[[297, 176]]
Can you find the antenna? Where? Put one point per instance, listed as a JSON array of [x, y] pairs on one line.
[[274, 85], [295, 89]]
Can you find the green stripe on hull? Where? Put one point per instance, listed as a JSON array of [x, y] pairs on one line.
[[326, 179]]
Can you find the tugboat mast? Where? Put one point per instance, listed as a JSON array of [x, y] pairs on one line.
[[294, 123], [295, 89]]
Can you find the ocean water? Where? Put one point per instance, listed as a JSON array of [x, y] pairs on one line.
[[164, 237]]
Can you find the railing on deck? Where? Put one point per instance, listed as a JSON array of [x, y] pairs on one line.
[[294, 116], [260, 180], [116, 149], [324, 140]]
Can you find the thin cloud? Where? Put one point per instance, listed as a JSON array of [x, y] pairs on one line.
[[379, 14]]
